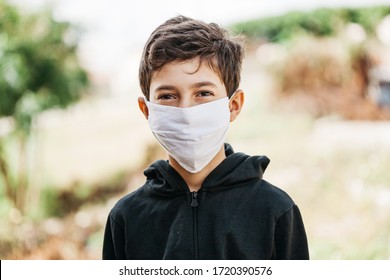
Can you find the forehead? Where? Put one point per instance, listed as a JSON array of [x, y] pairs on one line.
[[181, 72]]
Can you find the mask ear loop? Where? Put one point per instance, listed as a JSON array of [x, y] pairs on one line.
[[146, 101], [230, 98]]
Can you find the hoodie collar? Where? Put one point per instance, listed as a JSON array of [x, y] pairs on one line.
[[235, 170]]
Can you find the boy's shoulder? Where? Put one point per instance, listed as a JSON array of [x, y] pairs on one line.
[[129, 202], [274, 197]]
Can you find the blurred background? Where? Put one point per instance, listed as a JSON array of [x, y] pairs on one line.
[[72, 140]]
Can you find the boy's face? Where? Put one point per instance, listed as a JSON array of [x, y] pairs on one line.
[[186, 84]]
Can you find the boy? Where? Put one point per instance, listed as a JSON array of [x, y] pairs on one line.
[[206, 201]]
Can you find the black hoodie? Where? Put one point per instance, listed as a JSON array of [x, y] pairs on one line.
[[235, 215]]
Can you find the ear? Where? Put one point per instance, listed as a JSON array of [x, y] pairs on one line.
[[143, 107], [235, 104]]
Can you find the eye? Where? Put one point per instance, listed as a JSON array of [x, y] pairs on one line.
[[204, 93], [166, 96]]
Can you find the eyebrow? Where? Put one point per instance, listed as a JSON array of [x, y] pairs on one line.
[[165, 87], [196, 85], [202, 84]]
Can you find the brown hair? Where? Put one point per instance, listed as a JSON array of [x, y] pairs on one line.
[[182, 38]]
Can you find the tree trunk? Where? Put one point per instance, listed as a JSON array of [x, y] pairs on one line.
[[4, 171], [21, 190]]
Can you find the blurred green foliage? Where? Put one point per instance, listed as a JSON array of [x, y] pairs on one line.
[[57, 202], [39, 70], [320, 22], [325, 58]]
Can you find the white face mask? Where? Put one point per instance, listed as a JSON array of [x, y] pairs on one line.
[[193, 135]]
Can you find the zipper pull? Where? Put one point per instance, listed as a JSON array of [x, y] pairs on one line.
[[194, 201]]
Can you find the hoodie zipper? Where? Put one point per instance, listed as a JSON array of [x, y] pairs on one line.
[[194, 205]]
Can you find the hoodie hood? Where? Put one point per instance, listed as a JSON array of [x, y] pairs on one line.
[[235, 170]]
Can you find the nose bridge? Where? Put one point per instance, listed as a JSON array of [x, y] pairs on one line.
[[185, 100]]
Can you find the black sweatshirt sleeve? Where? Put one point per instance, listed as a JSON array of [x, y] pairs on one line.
[[114, 241], [290, 237]]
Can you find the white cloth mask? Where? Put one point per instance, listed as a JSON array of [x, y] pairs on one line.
[[192, 135]]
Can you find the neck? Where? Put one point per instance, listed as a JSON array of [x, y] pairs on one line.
[[194, 181]]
